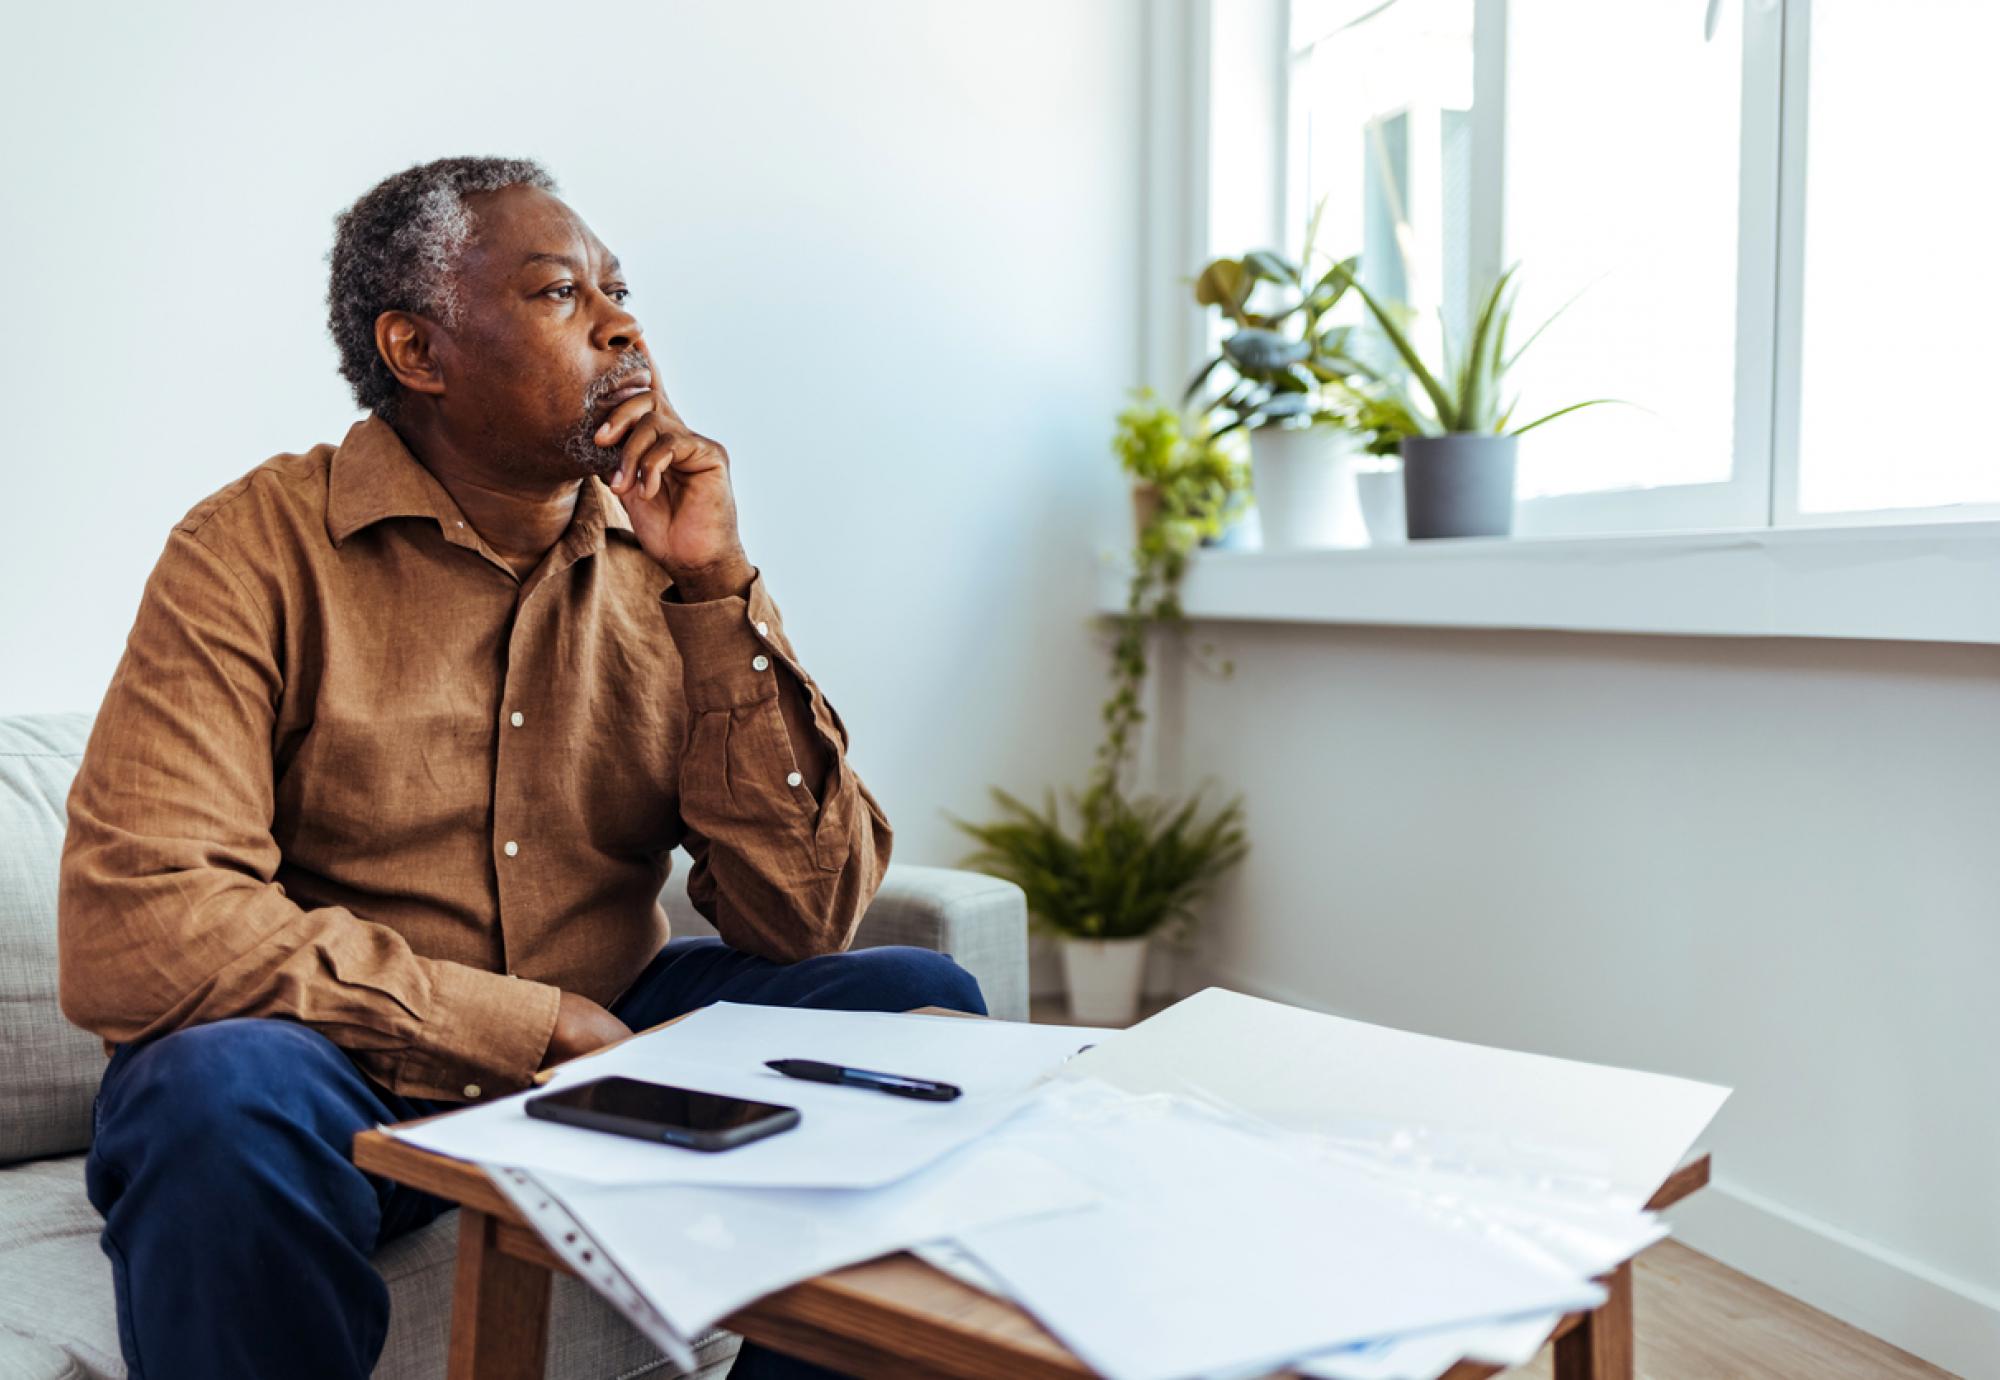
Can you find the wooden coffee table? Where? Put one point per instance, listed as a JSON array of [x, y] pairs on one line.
[[895, 1318]]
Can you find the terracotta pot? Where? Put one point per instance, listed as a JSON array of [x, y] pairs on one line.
[[1145, 503]]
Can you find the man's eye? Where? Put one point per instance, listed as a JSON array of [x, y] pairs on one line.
[[562, 291], [619, 294]]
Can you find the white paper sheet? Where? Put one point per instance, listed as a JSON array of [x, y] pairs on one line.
[[1565, 1125], [568, 1238], [1427, 1355], [1545, 1219], [1216, 1250], [1421, 1357], [948, 1256], [699, 1253], [1414, 1356], [847, 1137]]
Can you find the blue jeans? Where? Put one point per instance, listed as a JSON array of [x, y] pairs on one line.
[[240, 1231]]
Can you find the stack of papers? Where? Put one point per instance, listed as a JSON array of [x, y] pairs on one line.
[[1233, 1187], [1548, 1160], [847, 1138]]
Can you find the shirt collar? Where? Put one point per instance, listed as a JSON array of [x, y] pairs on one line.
[[373, 476]]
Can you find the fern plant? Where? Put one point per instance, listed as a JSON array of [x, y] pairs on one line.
[[1127, 869]]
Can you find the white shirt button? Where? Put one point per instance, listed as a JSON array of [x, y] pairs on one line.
[[763, 628], [472, 1090], [760, 663], [516, 719], [511, 848], [793, 779]]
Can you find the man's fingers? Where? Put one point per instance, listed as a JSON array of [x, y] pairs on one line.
[[661, 459], [648, 454], [622, 417], [653, 444], [642, 435]]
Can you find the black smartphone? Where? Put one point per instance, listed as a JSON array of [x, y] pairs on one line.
[[663, 1114]]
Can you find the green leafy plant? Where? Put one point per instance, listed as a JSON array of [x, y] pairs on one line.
[[1200, 485], [1129, 868], [1466, 394], [1287, 363]]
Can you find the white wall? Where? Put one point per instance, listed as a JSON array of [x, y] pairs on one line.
[[884, 252], [1770, 865]]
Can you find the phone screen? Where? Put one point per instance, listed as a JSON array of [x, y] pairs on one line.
[[633, 1100]]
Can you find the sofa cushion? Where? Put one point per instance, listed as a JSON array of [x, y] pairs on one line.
[[24, 1358], [52, 1067], [56, 1295]]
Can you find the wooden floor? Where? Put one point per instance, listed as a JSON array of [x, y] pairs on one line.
[[1701, 1320]]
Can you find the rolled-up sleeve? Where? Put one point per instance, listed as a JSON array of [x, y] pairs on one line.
[[168, 911], [778, 872]]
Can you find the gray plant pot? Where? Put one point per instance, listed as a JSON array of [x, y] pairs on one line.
[[1460, 485]]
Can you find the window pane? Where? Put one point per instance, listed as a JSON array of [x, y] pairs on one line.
[[1385, 105], [1901, 295], [1623, 149], [1623, 139]]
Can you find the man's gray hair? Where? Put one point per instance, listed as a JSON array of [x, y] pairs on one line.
[[396, 249]]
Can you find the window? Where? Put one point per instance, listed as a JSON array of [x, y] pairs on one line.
[[1789, 327], [1384, 131], [1901, 294]]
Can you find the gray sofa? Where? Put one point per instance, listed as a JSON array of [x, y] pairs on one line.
[[56, 1309]]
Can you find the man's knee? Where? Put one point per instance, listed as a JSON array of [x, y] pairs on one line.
[[903, 978], [207, 1081]]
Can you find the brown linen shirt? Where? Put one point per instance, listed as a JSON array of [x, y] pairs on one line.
[[353, 771]]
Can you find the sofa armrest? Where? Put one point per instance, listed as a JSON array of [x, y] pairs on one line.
[[979, 920]]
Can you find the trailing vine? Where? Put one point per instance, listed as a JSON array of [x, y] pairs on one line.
[[1132, 866], [1199, 486]]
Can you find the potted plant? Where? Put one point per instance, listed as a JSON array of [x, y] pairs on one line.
[[1288, 378], [1180, 473], [1459, 460], [1129, 868]]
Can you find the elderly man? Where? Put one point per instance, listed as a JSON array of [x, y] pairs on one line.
[[375, 816]]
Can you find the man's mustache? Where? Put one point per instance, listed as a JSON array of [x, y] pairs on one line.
[[609, 383]]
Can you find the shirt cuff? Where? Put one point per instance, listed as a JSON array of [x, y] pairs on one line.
[[484, 1035], [728, 647]]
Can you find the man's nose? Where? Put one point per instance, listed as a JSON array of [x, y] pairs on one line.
[[618, 330]]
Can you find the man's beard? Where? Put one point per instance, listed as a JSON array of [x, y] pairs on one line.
[[579, 445]]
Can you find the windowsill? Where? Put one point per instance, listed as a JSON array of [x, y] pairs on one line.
[[1927, 582]]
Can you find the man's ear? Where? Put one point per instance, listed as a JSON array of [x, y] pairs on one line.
[[404, 342]]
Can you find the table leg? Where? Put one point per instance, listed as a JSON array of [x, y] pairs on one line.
[[499, 1308], [1601, 1347]]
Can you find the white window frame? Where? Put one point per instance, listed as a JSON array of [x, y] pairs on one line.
[[1763, 488], [1905, 575]]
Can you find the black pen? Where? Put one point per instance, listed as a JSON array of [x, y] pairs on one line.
[[813, 1071]]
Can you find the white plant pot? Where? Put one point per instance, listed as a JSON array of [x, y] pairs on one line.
[[1381, 493], [1304, 481], [1103, 977]]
